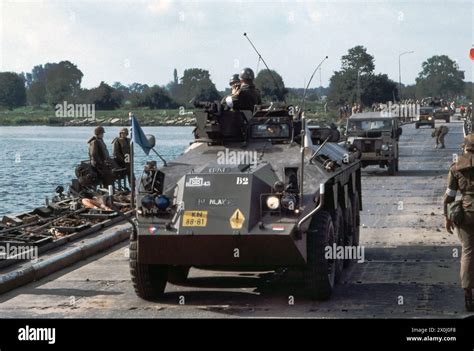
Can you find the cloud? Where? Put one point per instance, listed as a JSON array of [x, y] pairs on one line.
[[159, 6], [33, 30], [143, 41]]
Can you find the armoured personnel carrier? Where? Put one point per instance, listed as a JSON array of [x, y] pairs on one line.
[[254, 191], [441, 110]]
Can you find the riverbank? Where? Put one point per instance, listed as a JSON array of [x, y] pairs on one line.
[[28, 116], [47, 117]]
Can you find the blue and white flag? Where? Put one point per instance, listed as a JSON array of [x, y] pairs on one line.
[[138, 137]]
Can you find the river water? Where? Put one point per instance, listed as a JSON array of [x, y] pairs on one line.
[[36, 159]]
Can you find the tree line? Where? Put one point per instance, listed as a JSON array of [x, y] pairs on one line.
[[356, 81]]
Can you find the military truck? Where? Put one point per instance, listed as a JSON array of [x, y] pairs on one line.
[[254, 191], [426, 117], [443, 113], [441, 110], [375, 135]]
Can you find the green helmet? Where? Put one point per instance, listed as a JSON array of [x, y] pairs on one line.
[[99, 130], [247, 74], [234, 79]]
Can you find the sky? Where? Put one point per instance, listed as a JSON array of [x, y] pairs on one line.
[[143, 41]]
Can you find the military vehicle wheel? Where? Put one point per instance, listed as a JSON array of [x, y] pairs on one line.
[[396, 165], [448, 119], [149, 281], [392, 167], [339, 230], [433, 126], [320, 273], [349, 231], [178, 274], [356, 214], [417, 126]]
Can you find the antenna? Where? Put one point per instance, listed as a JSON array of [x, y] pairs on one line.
[[309, 82], [303, 130], [269, 71]]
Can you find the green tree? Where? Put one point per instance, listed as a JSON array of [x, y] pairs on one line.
[[469, 90], [63, 82], [137, 91], [137, 88], [157, 97], [196, 84], [409, 91], [124, 90], [104, 97], [267, 86], [36, 86], [54, 83], [378, 88], [342, 89], [12, 90], [36, 94], [175, 76], [37, 74], [174, 88], [356, 78], [440, 77], [357, 58]]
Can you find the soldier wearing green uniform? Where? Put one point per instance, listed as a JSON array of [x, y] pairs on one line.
[[460, 214], [234, 83], [99, 157], [439, 134], [121, 152], [247, 96]]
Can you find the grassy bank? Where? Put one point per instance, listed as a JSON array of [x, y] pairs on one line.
[[44, 116], [27, 116]]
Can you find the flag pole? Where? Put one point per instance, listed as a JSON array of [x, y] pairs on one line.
[[132, 159], [161, 158]]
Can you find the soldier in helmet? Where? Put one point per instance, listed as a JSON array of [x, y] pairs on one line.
[[461, 178], [99, 156], [439, 133], [234, 83], [121, 152], [247, 96]]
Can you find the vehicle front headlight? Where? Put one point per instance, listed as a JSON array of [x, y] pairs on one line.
[[273, 202], [384, 147], [162, 202], [148, 202], [430, 118]]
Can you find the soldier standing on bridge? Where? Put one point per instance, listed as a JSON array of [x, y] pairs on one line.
[[121, 152], [439, 133], [99, 157], [461, 214]]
